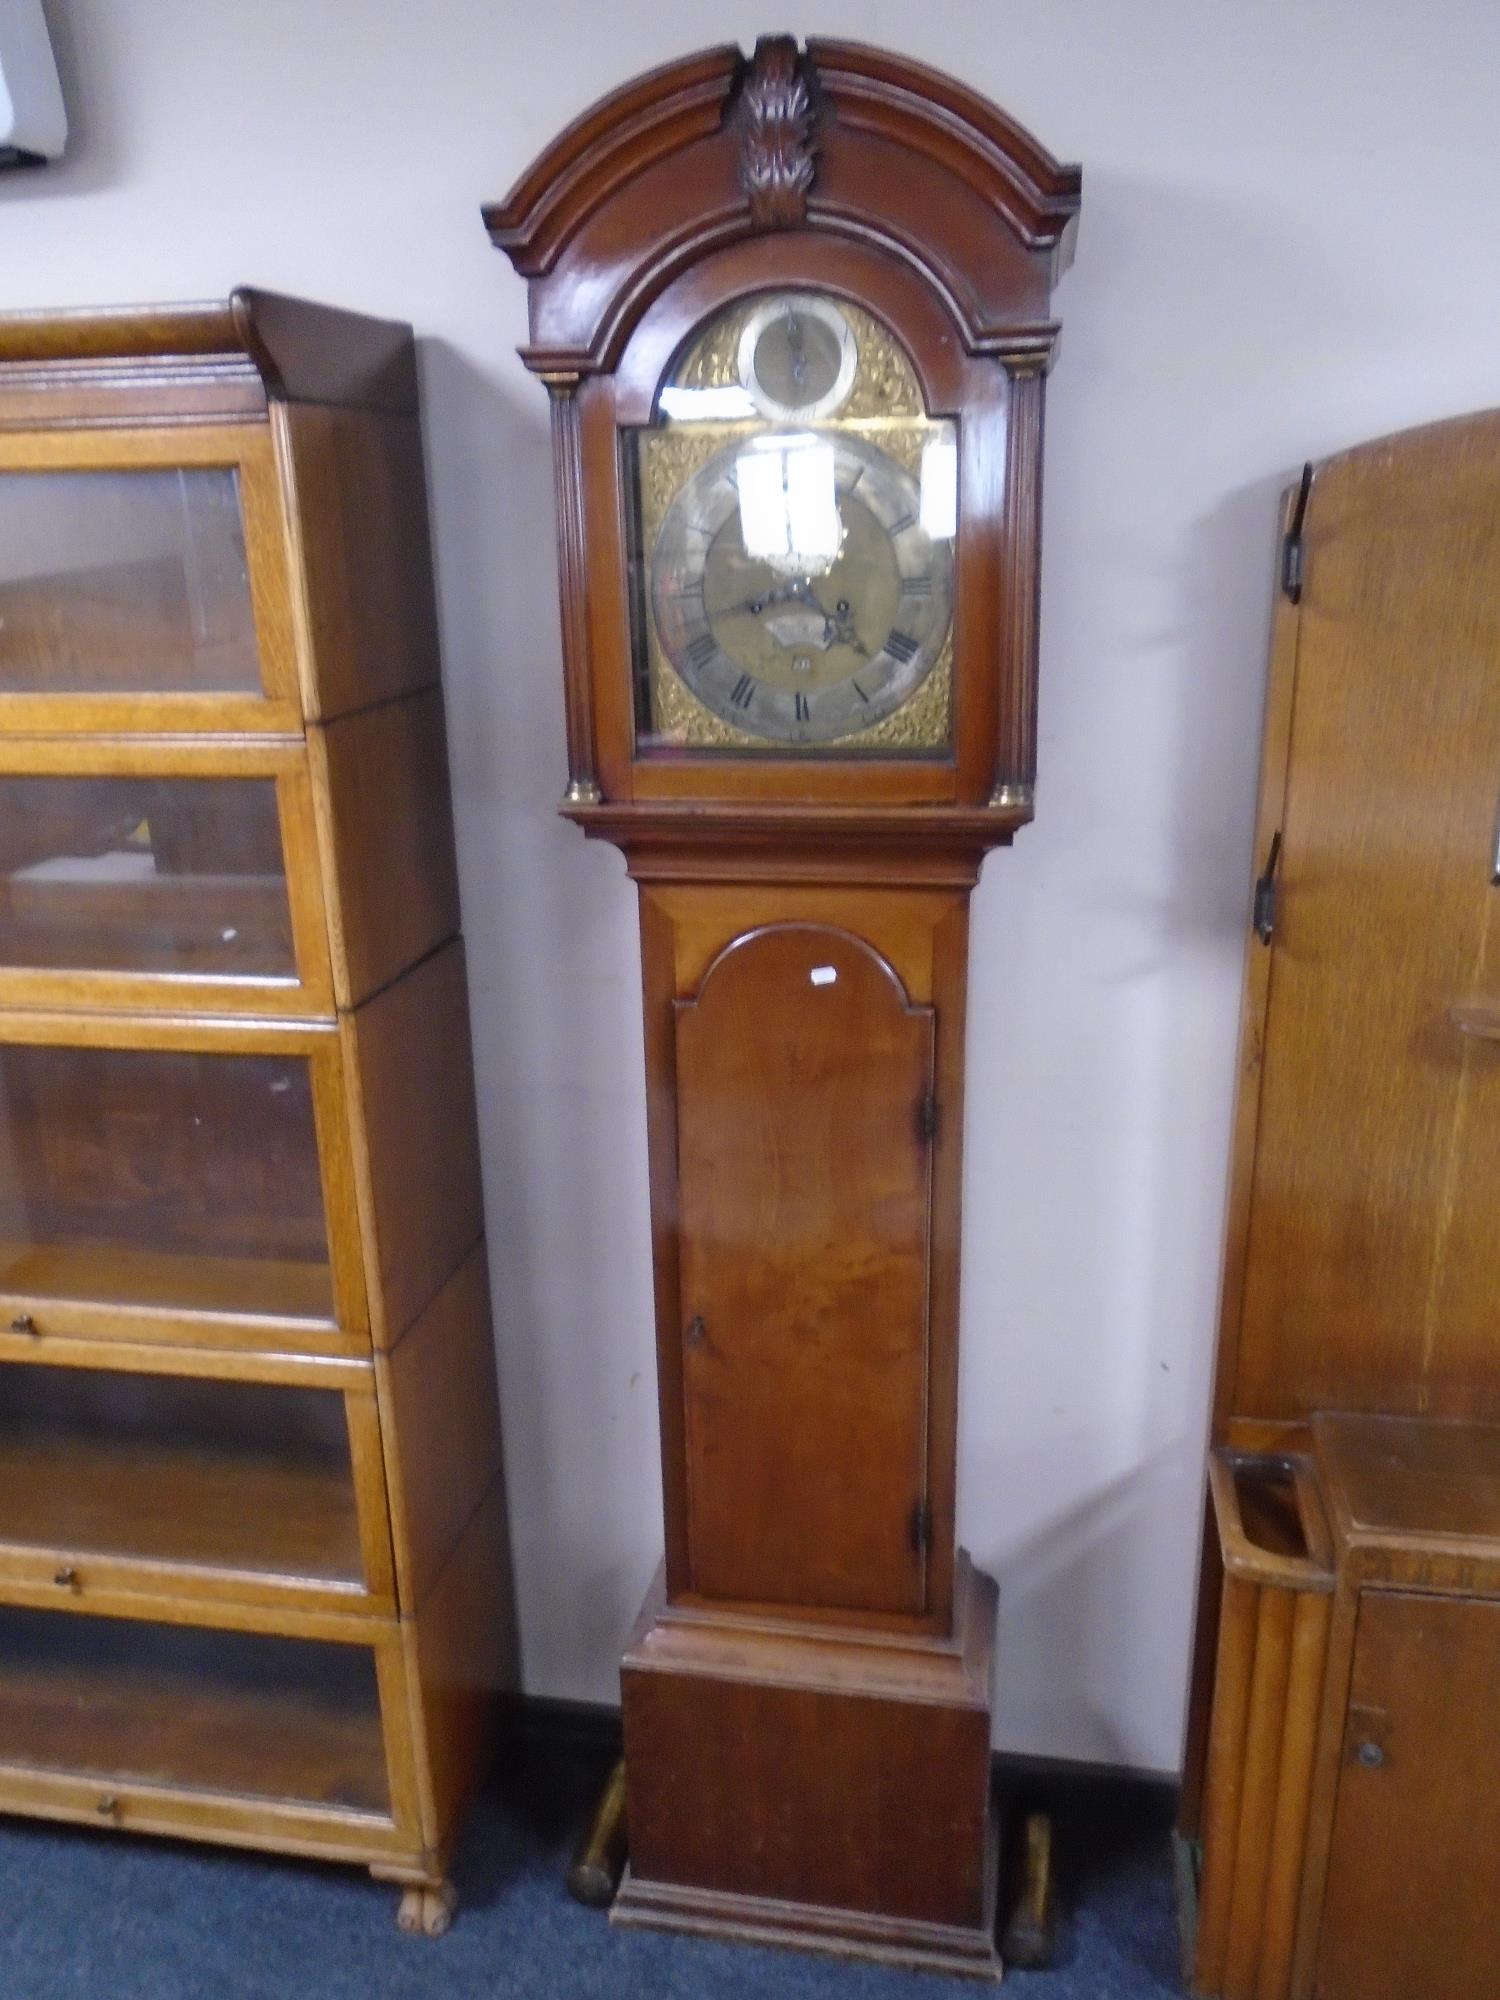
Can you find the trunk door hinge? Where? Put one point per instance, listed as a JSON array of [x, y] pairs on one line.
[[1265, 893], [1292, 551]]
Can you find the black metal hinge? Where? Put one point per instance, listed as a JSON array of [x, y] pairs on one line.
[[927, 1118], [1265, 893], [920, 1527], [1291, 547]]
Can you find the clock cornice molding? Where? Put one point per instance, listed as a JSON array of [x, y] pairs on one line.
[[704, 152], [672, 841]]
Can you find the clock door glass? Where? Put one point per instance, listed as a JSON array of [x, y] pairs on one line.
[[793, 522]]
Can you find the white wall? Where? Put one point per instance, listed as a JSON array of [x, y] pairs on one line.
[[1290, 241]]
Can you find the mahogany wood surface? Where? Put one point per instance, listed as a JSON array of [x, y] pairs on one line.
[[814, 1652], [922, 935], [882, 1845], [262, 1554]]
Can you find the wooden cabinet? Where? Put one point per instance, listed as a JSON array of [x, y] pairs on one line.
[[1340, 1806], [1414, 1864], [1350, 1824], [252, 1554]]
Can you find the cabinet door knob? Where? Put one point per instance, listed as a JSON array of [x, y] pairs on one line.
[[1370, 1755], [23, 1323], [108, 1806], [66, 1578], [694, 1335]]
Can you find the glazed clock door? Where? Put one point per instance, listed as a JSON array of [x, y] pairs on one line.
[[793, 510], [804, 1083]]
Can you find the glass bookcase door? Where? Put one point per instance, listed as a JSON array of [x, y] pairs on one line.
[[166, 875], [142, 581], [181, 1182], [239, 1489], [170, 875], [190, 1708], [125, 583]]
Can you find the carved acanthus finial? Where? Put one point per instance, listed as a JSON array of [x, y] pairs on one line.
[[776, 148]]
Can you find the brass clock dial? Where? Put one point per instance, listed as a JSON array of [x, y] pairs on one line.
[[795, 589], [792, 540]]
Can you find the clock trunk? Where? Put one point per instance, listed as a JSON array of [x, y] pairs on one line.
[[804, 1138]]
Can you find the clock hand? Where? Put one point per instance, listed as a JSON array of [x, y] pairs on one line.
[[799, 591], [842, 633], [796, 347], [838, 625]]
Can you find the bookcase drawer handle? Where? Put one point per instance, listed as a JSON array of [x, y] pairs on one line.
[[66, 1578], [24, 1323]]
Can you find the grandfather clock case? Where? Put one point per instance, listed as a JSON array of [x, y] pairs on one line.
[[794, 315]]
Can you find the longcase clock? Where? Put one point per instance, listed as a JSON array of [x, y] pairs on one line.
[[793, 312]]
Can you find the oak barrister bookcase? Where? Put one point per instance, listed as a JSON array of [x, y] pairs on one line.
[[794, 316], [252, 1557]]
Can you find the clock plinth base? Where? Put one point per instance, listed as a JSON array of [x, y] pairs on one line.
[[826, 1787]]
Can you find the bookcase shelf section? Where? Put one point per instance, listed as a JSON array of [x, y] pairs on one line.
[[253, 1573], [191, 1708], [152, 1481], [125, 582], [163, 1178]]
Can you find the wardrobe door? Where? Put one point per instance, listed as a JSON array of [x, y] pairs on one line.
[[1369, 1276]]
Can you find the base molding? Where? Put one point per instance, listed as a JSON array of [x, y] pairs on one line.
[[721, 1913]]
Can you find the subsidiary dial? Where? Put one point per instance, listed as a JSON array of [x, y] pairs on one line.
[[797, 357]]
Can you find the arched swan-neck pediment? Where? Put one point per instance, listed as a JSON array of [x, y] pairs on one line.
[[836, 137]]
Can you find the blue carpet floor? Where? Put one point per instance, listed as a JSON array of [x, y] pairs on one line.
[[93, 1916]]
